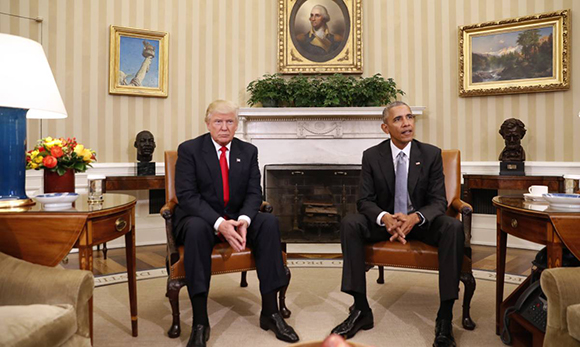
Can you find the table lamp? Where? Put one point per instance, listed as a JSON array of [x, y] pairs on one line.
[[27, 90]]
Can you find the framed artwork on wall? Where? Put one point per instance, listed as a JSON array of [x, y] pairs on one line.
[[320, 36], [138, 62], [517, 55]]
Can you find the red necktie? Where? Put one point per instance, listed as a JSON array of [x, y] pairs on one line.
[[225, 175]]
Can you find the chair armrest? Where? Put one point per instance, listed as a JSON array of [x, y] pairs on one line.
[[172, 247], [462, 207], [466, 212], [167, 210], [266, 207], [562, 290], [24, 283]]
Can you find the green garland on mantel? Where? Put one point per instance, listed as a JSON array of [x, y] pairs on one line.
[[322, 91]]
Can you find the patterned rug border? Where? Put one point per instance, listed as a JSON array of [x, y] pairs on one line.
[[302, 263]]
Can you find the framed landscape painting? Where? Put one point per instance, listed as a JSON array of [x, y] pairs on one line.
[[138, 62], [518, 55], [320, 36]]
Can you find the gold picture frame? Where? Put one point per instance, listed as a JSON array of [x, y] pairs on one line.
[[335, 46], [138, 62], [517, 55]]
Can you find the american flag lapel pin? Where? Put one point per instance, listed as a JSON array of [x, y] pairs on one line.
[[238, 160]]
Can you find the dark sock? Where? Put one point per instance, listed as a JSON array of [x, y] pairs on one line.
[[199, 303], [361, 303], [446, 310], [269, 304]]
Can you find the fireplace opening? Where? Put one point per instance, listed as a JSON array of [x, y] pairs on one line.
[[310, 200]]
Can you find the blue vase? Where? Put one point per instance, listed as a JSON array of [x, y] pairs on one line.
[[13, 149]]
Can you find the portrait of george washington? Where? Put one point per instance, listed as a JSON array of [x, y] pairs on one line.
[[319, 29]]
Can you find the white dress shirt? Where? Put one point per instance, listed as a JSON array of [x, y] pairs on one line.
[[395, 153]]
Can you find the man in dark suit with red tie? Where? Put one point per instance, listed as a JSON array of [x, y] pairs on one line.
[[217, 183], [402, 196]]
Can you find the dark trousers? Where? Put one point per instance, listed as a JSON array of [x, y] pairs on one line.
[[446, 233], [263, 238]]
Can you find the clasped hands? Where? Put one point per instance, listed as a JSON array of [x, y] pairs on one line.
[[399, 225], [234, 231]]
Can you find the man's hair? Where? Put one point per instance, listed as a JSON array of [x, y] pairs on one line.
[[221, 107], [390, 106], [512, 123], [325, 14]]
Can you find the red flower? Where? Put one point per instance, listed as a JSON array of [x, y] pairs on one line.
[[41, 149], [49, 161], [56, 152]]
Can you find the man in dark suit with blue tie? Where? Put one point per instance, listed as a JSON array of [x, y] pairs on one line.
[[217, 183], [402, 196]]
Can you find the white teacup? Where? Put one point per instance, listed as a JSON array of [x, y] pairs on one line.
[[538, 190]]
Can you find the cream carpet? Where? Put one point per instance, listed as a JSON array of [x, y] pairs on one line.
[[404, 310]]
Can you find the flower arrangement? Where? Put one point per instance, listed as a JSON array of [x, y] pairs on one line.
[[59, 155]]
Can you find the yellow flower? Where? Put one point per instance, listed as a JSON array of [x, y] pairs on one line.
[[51, 143], [34, 154], [87, 154], [33, 165], [79, 150], [38, 159]]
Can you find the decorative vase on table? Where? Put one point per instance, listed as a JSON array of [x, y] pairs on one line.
[[59, 158], [54, 183]]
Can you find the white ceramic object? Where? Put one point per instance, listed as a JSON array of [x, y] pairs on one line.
[[563, 201], [538, 190], [536, 206], [532, 197], [56, 201]]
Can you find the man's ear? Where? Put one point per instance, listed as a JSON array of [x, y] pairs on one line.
[[385, 128], [135, 144]]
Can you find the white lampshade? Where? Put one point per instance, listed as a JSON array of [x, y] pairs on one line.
[[26, 80]]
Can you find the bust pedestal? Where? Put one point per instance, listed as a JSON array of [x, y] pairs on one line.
[[145, 169], [512, 168]]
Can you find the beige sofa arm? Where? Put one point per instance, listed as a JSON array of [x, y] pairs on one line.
[[24, 283], [562, 290]]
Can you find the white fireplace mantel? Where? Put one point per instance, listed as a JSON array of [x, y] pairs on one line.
[[319, 111], [313, 122]]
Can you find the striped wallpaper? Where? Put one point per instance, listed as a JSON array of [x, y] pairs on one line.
[[218, 46]]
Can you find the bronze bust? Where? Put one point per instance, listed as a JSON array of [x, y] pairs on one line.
[[145, 144], [513, 131]]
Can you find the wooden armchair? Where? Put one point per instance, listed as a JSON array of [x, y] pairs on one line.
[[418, 255], [223, 260]]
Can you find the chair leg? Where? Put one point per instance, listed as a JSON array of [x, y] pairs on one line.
[[469, 283], [381, 279], [105, 250], [284, 311], [173, 288], [244, 280]]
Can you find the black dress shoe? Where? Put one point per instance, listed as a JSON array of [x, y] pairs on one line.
[[356, 321], [278, 325], [444, 334], [199, 336]]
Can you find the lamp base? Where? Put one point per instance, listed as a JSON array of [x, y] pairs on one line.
[[11, 203], [13, 144]]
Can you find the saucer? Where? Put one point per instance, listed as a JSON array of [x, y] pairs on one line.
[[56, 201], [533, 197], [564, 201], [536, 207]]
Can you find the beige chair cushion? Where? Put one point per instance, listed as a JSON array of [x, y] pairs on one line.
[[36, 325], [573, 316]]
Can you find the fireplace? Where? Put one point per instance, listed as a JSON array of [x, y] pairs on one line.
[[310, 200]]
